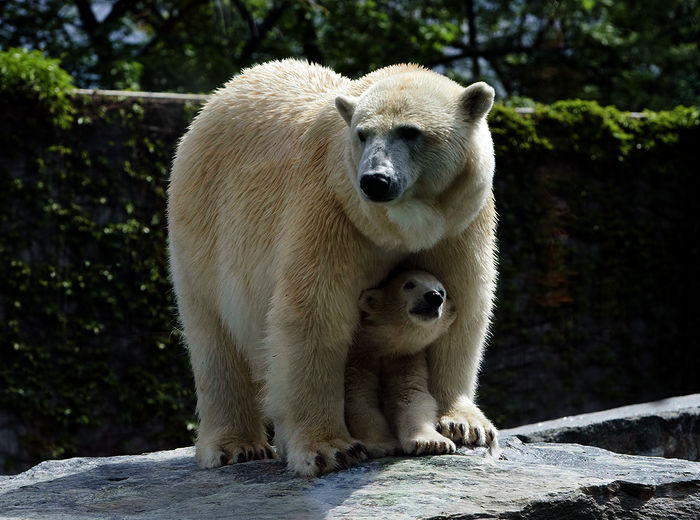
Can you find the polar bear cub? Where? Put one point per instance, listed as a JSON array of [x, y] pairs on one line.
[[386, 381]]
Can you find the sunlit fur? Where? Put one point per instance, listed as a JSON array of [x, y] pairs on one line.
[[271, 245]]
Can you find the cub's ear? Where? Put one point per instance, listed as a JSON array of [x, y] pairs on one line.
[[370, 299], [477, 100], [346, 107]]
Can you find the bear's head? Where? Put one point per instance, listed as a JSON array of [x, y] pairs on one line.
[[407, 312], [419, 152]]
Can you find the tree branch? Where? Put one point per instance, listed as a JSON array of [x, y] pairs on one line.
[[471, 23], [87, 17], [119, 9], [256, 37], [493, 51], [168, 25], [250, 21]]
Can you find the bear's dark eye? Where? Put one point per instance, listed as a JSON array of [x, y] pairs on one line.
[[408, 133], [361, 135], [409, 285]]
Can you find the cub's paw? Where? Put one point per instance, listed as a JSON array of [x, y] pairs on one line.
[[468, 428], [428, 442], [216, 455], [325, 457], [377, 450]]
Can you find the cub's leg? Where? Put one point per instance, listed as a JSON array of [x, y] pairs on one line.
[[410, 407], [363, 415], [231, 425]]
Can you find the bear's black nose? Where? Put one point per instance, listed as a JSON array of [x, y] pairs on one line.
[[433, 298], [377, 187]]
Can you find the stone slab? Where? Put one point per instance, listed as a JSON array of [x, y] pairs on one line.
[[665, 428], [530, 481]]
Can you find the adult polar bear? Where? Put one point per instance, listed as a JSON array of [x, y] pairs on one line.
[[293, 190]]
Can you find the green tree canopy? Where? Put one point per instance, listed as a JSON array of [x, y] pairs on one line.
[[632, 54]]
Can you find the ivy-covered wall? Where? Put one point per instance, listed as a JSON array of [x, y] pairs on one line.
[[598, 234], [598, 238], [91, 360]]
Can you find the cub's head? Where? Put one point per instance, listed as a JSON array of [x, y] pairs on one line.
[[418, 147], [408, 312]]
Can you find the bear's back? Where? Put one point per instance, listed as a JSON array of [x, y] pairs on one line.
[[251, 129], [291, 89]]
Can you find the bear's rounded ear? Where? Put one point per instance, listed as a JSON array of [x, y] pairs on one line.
[[346, 107], [477, 100], [369, 300]]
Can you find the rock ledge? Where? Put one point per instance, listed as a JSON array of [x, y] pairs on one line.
[[532, 481]]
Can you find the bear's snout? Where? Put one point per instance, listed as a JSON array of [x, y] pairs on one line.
[[378, 187], [433, 298]]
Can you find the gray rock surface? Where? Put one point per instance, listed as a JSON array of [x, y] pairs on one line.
[[666, 428], [531, 481]]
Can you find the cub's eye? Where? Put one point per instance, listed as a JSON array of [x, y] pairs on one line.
[[408, 133], [409, 285], [361, 135]]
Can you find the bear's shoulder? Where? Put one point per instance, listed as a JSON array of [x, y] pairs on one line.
[[288, 76]]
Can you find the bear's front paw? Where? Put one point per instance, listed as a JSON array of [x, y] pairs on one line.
[[468, 428], [428, 442], [326, 456], [216, 455]]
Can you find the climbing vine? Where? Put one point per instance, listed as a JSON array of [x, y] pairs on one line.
[[597, 239], [91, 356]]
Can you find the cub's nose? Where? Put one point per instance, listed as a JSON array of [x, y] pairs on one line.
[[433, 298], [377, 187]]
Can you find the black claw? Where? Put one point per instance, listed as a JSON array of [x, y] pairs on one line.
[[261, 453], [341, 459], [241, 457], [223, 459], [269, 453], [492, 435], [452, 428], [361, 449], [438, 427], [463, 431], [320, 461], [352, 451], [251, 454]]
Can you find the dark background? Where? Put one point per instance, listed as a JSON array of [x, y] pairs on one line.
[[634, 55]]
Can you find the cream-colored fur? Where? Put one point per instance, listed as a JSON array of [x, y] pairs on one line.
[[388, 406], [272, 241]]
